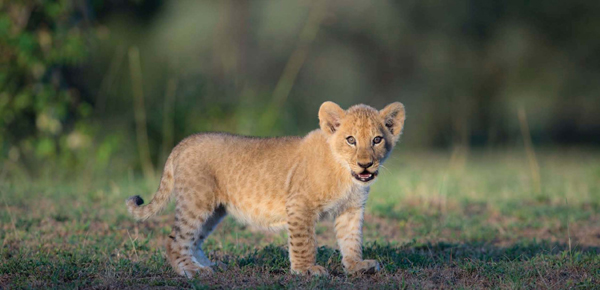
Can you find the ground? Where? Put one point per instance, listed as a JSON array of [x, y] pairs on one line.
[[434, 220]]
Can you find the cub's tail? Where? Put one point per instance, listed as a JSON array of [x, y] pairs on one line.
[[160, 199]]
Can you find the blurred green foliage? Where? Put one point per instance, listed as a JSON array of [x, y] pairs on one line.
[[40, 115]]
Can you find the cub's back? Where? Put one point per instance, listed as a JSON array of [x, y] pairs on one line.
[[229, 147], [238, 162]]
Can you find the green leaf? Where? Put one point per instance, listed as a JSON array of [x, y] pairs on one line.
[[45, 147]]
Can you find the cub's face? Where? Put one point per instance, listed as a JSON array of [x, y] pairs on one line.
[[361, 138]]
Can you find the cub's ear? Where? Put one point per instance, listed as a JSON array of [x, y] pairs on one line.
[[393, 118], [330, 115]]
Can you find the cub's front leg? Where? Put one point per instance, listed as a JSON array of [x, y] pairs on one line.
[[302, 239], [348, 231]]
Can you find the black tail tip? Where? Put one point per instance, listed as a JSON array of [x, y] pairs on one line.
[[137, 199]]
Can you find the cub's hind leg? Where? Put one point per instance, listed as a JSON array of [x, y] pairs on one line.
[[206, 229], [195, 205]]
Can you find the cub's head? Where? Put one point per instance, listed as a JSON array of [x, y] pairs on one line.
[[361, 138]]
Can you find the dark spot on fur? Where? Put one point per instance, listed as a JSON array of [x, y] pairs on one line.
[[332, 129], [390, 124], [137, 199]]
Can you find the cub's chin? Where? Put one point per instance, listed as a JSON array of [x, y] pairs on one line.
[[365, 177]]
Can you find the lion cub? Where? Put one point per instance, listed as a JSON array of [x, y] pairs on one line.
[[278, 183]]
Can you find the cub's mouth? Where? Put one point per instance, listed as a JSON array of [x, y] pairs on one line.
[[364, 176]]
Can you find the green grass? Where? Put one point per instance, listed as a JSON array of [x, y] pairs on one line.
[[475, 222]]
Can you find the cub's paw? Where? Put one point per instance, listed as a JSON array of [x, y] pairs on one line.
[[314, 270], [364, 267], [192, 271]]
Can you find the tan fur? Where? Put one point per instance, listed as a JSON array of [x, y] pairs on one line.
[[277, 183]]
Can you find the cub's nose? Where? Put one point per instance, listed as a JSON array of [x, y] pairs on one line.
[[365, 165]]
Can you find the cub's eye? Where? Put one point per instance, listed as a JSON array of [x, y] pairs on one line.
[[377, 140], [351, 140]]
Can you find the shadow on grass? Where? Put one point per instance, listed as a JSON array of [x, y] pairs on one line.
[[274, 259], [453, 254]]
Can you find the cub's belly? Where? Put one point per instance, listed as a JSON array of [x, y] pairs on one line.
[[255, 199], [269, 218]]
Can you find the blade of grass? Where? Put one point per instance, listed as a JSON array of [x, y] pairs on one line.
[[295, 62], [168, 118], [533, 163], [140, 113]]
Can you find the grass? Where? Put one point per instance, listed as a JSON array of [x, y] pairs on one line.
[[432, 224]]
